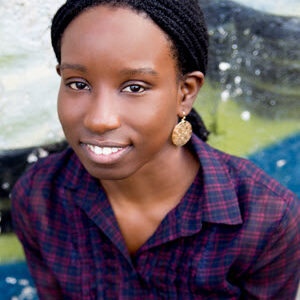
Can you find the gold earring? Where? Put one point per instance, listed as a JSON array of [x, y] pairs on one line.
[[182, 132]]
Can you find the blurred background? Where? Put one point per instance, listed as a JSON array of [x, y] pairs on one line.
[[250, 102]]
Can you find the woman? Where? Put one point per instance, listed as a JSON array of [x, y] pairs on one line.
[[136, 207]]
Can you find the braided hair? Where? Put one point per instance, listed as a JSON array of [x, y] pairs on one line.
[[181, 20]]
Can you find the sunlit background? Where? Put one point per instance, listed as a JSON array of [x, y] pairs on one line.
[[250, 101]]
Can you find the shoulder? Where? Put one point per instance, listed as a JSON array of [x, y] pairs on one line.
[[54, 170], [245, 176], [40, 200], [251, 181], [243, 171], [52, 165], [259, 197], [268, 234], [268, 209]]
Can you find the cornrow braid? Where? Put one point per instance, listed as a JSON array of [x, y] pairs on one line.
[[181, 20], [198, 125]]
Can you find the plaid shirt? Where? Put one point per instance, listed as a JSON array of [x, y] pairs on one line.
[[234, 235]]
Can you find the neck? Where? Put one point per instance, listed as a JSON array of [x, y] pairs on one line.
[[166, 179]]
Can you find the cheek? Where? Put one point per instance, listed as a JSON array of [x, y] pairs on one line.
[[163, 114], [153, 120], [68, 112]]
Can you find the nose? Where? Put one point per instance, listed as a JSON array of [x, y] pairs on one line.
[[102, 114]]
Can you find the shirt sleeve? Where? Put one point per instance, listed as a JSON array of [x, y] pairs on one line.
[[23, 222], [277, 270]]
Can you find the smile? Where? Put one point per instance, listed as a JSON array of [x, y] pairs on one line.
[[106, 154]]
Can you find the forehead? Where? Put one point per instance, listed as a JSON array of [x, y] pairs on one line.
[[120, 31]]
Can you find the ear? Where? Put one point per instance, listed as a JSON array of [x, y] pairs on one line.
[[58, 70], [190, 86]]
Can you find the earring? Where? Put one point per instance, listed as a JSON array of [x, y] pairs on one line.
[[182, 132]]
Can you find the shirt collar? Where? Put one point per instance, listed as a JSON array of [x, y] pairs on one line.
[[219, 198], [213, 190], [211, 198]]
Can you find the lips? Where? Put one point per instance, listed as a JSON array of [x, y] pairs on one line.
[[105, 153]]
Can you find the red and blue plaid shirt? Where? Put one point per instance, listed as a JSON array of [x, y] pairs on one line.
[[234, 235]]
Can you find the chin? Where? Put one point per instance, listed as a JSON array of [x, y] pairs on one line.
[[110, 173]]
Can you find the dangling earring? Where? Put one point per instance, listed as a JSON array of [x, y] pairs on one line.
[[182, 132]]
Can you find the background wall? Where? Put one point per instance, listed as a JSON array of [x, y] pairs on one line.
[[250, 101]]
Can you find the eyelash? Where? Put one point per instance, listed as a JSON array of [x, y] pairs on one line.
[[86, 87], [134, 92]]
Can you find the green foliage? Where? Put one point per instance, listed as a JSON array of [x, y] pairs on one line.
[[10, 248]]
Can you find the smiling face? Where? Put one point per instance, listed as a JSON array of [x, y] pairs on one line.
[[120, 95]]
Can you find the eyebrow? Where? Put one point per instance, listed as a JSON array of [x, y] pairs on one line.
[[132, 72], [76, 67], [128, 72]]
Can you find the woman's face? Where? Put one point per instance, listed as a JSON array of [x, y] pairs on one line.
[[119, 94]]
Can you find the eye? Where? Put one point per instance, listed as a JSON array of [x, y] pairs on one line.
[[134, 88], [78, 86]]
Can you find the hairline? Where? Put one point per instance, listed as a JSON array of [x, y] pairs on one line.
[[173, 49]]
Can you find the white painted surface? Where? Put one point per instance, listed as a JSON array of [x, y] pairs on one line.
[[279, 7]]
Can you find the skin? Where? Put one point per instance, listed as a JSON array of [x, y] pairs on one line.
[[121, 87]]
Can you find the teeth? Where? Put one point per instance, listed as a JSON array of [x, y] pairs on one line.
[[106, 151], [97, 150], [103, 150]]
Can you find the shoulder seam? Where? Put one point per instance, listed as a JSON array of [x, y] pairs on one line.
[[286, 195]]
